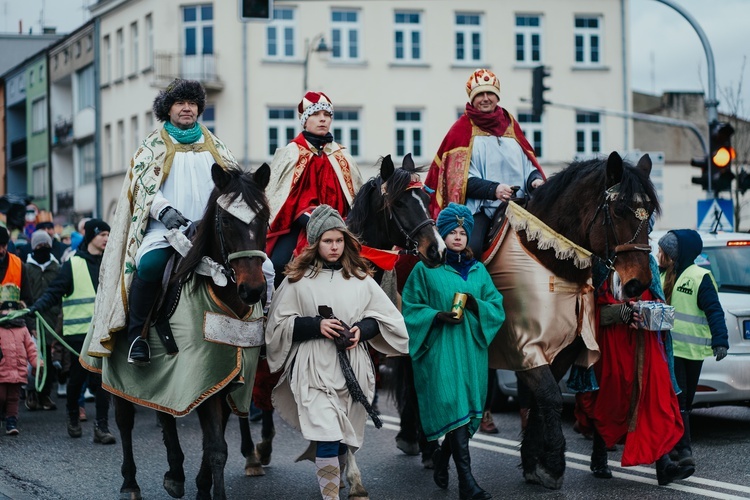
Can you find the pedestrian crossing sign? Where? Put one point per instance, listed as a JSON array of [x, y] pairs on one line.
[[716, 215]]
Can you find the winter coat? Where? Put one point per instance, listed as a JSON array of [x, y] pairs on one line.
[[18, 350]]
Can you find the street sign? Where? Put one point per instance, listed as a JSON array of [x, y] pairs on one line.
[[716, 214]]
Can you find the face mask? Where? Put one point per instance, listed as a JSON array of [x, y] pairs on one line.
[[41, 254]]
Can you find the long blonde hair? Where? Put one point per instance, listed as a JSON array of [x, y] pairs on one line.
[[309, 263]]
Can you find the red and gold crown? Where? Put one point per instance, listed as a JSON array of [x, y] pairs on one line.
[[311, 103], [482, 80]]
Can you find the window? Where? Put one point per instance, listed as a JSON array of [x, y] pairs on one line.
[[528, 39], [588, 133], [108, 153], [280, 35], [149, 41], [31, 78], [345, 35], [107, 70], [408, 36], [135, 134], [409, 133], [532, 130], [120, 55], [468, 38], [39, 181], [121, 155], [148, 121], [86, 163], [134, 49], [209, 118], [587, 40], [281, 125], [85, 87], [346, 130], [39, 115], [198, 29]]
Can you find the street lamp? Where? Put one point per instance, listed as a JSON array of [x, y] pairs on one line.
[[318, 44]]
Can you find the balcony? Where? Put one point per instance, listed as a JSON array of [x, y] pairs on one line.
[[18, 150], [63, 133], [200, 67]]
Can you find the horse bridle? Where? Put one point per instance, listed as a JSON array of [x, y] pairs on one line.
[[227, 257], [640, 213], [412, 245]]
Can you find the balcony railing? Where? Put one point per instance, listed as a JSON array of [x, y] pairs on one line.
[[200, 67], [63, 133], [17, 149]]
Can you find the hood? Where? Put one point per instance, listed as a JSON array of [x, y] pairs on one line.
[[690, 246]]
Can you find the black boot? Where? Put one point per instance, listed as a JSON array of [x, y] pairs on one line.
[[668, 471], [440, 458], [683, 451], [142, 297], [468, 489], [599, 465]]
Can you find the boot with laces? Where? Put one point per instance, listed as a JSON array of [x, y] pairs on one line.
[[102, 434]]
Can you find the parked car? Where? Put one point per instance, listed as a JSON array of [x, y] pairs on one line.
[[727, 382]]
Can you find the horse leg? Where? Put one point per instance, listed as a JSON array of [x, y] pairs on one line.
[[354, 478], [267, 432], [174, 478], [125, 418], [213, 415], [253, 466], [407, 439]]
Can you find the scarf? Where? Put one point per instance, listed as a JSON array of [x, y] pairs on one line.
[[317, 141], [188, 136], [494, 123], [460, 263]]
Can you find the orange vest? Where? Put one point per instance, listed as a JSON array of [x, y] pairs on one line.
[[13, 273]]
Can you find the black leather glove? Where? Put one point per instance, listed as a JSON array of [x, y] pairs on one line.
[[471, 303], [448, 317], [720, 353], [626, 313], [172, 218]]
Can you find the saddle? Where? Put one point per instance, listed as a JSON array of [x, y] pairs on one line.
[[498, 219]]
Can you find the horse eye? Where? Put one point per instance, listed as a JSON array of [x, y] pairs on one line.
[[225, 221]]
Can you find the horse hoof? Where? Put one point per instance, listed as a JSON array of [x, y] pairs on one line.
[[264, 449], [176, 489], [543, 478], [408, 447], [359, 492], [254, 471], [131, 495]]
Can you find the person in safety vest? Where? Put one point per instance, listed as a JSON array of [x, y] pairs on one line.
[[76, 287], [700, 329], [11, 270]]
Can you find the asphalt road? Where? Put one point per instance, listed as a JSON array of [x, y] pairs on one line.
[[44, 463]]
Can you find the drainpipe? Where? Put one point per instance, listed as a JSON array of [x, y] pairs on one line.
[[626, 93], [245, 103], [97, 123]]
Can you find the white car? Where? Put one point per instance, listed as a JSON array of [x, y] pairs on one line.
[[727, 382]]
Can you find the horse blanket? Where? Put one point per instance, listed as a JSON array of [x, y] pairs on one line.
[[204, 365], [544, 313]]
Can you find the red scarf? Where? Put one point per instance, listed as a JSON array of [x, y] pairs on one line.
[[494, 123]]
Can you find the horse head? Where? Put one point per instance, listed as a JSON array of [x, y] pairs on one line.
[[391, 210]]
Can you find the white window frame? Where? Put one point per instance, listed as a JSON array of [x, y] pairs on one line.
[[346, 36], [86, 163], [590, 40], [108, 153], [149, 41], [588, 133], [107, 60], [39, 180], [282, 31], [526, 34], [121, 153], [85, 88], [134, 48], [408, 128], [405, 26], [148, 122], [39, 115], [284, 127], [135, 134], [348, 131], [467, 32], [198, 25], [120, 55], [533, 129], [209, 122]]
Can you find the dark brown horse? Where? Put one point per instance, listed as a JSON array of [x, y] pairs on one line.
[[232, 233]]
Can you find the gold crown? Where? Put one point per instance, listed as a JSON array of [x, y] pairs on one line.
[[482, 80]]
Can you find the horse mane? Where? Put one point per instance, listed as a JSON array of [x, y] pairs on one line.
[[241, 184], [396, 184]]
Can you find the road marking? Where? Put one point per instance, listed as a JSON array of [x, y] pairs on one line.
[[511, 447]]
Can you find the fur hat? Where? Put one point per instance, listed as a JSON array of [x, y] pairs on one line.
[[40, 237], [323, 218], [311, 103], [453, 216], [482, 80], [179, 90], [92, 228], [669, 245]]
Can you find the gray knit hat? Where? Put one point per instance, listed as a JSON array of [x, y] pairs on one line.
[[669, 245], [40, 237], [179, 90], [323, 218]]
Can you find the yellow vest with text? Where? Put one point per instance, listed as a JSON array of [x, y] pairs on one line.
[[691, 336], [78, 307]]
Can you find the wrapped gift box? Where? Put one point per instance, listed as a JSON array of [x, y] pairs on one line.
[[654, 315]]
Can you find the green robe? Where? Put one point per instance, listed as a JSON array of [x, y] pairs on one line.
[[450, 361]]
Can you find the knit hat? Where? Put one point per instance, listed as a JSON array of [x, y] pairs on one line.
[[669, 245], [453, 216], [311, 103], [482, 80], [92, 228], [323, 218], [179, 90], [45, 225], [4, 235], [40, 237]]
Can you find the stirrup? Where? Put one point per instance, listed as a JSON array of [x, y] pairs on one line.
[[142, 354]]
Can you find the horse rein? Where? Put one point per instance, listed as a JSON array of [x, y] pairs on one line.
[[411, 247], [227, 257]]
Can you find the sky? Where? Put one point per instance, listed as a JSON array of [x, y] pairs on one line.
[[666, 53]]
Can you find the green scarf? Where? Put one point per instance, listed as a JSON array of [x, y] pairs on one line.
[[188, 136]]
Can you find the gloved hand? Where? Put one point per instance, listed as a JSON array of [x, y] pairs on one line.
[[720, 353], [448, 317], [471, 304], [626, 313], [172, 218], [20, 313]]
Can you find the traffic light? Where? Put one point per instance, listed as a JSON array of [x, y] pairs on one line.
[[256, 10], [743, 181], [702, 162], [538, 89], [722, 154]]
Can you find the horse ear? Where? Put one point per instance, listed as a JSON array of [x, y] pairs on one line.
[[262, 176], [614, 169], [220, 177], [644, 164], [386, 168], [408, 163]]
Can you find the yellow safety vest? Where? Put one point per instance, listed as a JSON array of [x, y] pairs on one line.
[[78, 307], [691, 336]]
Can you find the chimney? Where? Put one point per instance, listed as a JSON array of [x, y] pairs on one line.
[[20, 26]]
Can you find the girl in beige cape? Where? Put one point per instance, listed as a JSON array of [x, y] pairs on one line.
[[312, 394]]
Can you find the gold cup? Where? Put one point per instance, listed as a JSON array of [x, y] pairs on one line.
[[459, 303]]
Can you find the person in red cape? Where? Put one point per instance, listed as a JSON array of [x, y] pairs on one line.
[[311, 170]]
